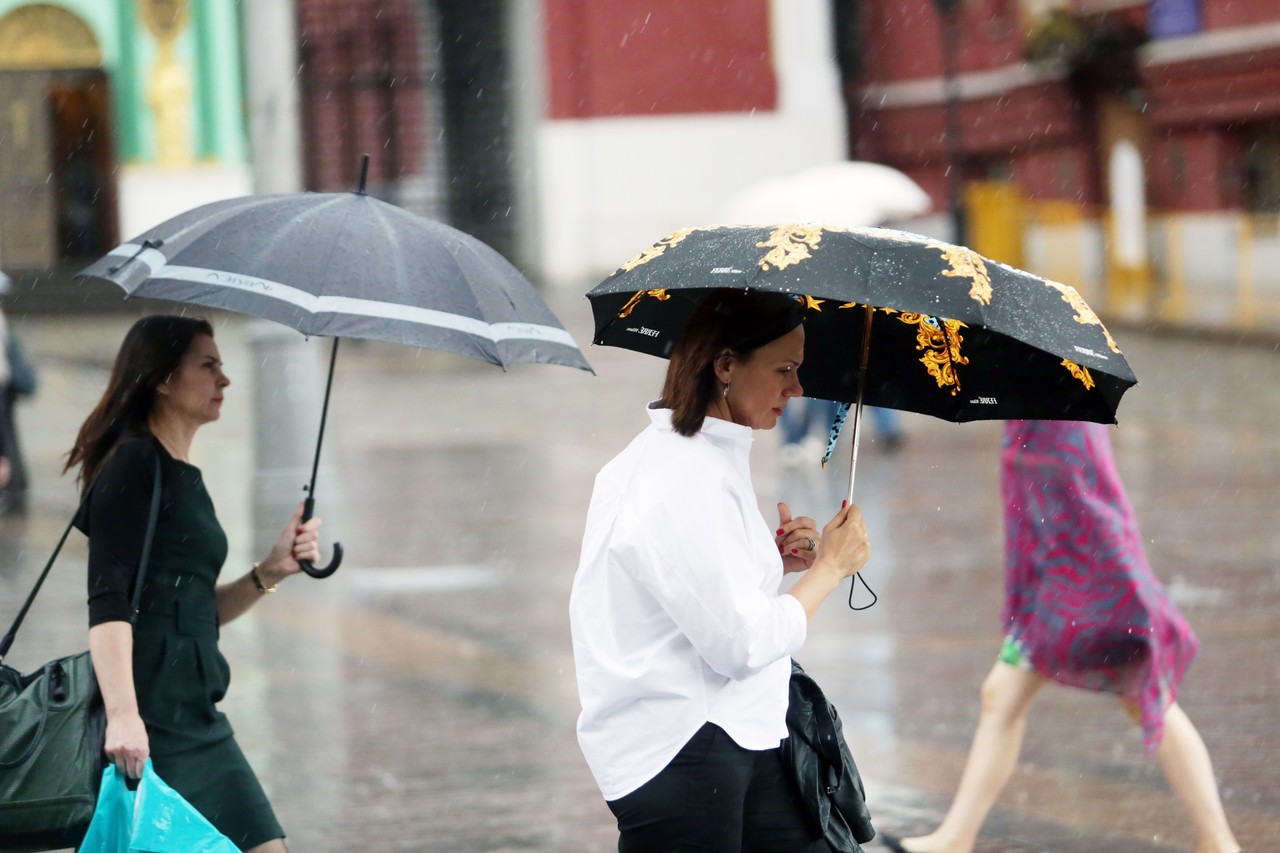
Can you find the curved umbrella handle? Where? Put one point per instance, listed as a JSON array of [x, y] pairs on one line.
[[308, 510]]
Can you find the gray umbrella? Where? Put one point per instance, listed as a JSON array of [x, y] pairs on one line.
[[344, 265]]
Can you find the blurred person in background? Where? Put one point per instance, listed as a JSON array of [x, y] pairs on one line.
[[806, 428], [1083, 609], [682, 642], [17, 382]]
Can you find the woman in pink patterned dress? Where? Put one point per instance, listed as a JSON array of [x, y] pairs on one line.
[[1082, 608]]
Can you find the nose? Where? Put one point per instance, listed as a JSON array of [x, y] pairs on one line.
[[223, 380]]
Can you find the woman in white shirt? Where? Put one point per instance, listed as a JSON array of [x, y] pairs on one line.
[[681, 639]]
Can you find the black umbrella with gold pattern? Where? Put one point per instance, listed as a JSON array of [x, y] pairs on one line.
[[940, 329]]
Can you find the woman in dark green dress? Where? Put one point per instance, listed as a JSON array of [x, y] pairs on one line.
[[162, 678]]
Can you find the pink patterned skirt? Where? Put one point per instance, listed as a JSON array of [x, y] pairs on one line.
[[1081, 604]]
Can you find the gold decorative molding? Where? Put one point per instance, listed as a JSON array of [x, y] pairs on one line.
[[169, 87], [42, 35], [165, 18]]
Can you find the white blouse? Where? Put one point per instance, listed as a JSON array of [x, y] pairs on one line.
[[675, 611]]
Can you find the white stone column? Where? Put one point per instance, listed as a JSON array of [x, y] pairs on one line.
[[271, 61]]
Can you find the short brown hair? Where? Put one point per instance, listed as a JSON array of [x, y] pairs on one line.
[[740, 321]]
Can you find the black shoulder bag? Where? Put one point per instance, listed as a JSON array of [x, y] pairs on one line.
[[52, 726], [822, 767]]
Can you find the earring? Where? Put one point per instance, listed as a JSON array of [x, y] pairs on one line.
[[725, 392]]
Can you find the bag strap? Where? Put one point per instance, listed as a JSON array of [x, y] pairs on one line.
[[152, 515]]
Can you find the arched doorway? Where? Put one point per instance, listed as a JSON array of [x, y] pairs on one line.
[[57, 185]]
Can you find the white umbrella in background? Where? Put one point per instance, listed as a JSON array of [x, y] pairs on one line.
[[852, 193]]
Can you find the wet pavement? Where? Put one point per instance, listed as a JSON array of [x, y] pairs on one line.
[[423, 697]]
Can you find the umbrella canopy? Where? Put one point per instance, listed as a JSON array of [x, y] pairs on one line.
[[942, 330], [852, 193], [345, 265]]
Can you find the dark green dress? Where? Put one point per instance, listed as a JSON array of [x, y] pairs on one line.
[[179, 674]]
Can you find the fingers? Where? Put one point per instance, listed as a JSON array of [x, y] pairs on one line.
[[848, 512], [846, 540], [129, 762], [802, 539], [789, 526]]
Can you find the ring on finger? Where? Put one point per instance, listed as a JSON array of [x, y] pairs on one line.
[[813, 546]]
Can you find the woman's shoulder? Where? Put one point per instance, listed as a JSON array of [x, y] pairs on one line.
[[677, 470], [134, 450], [132, 459]]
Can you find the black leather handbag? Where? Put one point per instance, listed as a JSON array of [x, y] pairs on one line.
[[823, 767], [52, 724]]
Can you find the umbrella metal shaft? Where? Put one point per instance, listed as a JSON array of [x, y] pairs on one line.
[[853, 453], [857, 408], [324, 416]]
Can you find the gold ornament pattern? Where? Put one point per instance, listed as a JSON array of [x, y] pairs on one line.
[[810, 303], [42, 35], [789, 245], [1081, 373], [940, 342], [660, 295], [966, 263], [675, 238], [1084, 314]]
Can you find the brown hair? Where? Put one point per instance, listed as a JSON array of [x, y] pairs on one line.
[[151, 352], [740, 321]]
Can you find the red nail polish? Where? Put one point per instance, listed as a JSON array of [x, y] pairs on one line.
[[779, 531], [795, 551], [843, 504]]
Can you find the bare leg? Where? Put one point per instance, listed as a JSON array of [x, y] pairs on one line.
[[275, 845], [1185, 760], [1006, 697]]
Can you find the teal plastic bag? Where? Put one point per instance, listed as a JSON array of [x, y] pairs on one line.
[[153, 819], [112, 821]]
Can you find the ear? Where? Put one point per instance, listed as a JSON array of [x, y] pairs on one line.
[[723, 366]]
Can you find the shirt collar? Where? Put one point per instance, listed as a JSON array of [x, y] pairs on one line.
[[719, 430]]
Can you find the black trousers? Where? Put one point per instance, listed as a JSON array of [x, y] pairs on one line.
[[716, 796]]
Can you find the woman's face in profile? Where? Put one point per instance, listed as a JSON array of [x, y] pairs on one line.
[[194, 391], [760, 387]]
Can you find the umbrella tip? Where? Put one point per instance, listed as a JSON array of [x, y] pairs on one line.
[[364, 172]]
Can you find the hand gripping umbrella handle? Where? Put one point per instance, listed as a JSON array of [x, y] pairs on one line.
[[308, 509]]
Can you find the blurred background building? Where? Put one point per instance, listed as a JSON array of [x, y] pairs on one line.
[[1129, 147]]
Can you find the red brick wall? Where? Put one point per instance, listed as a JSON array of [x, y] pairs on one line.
[[362, 91], [1196, 169], [1196, 109], [903, 37], [1219, 14], [655, 57]]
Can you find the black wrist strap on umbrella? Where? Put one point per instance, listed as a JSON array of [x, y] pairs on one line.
[[152, 515]]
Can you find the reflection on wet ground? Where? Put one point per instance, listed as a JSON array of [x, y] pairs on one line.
[[423, 697]]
